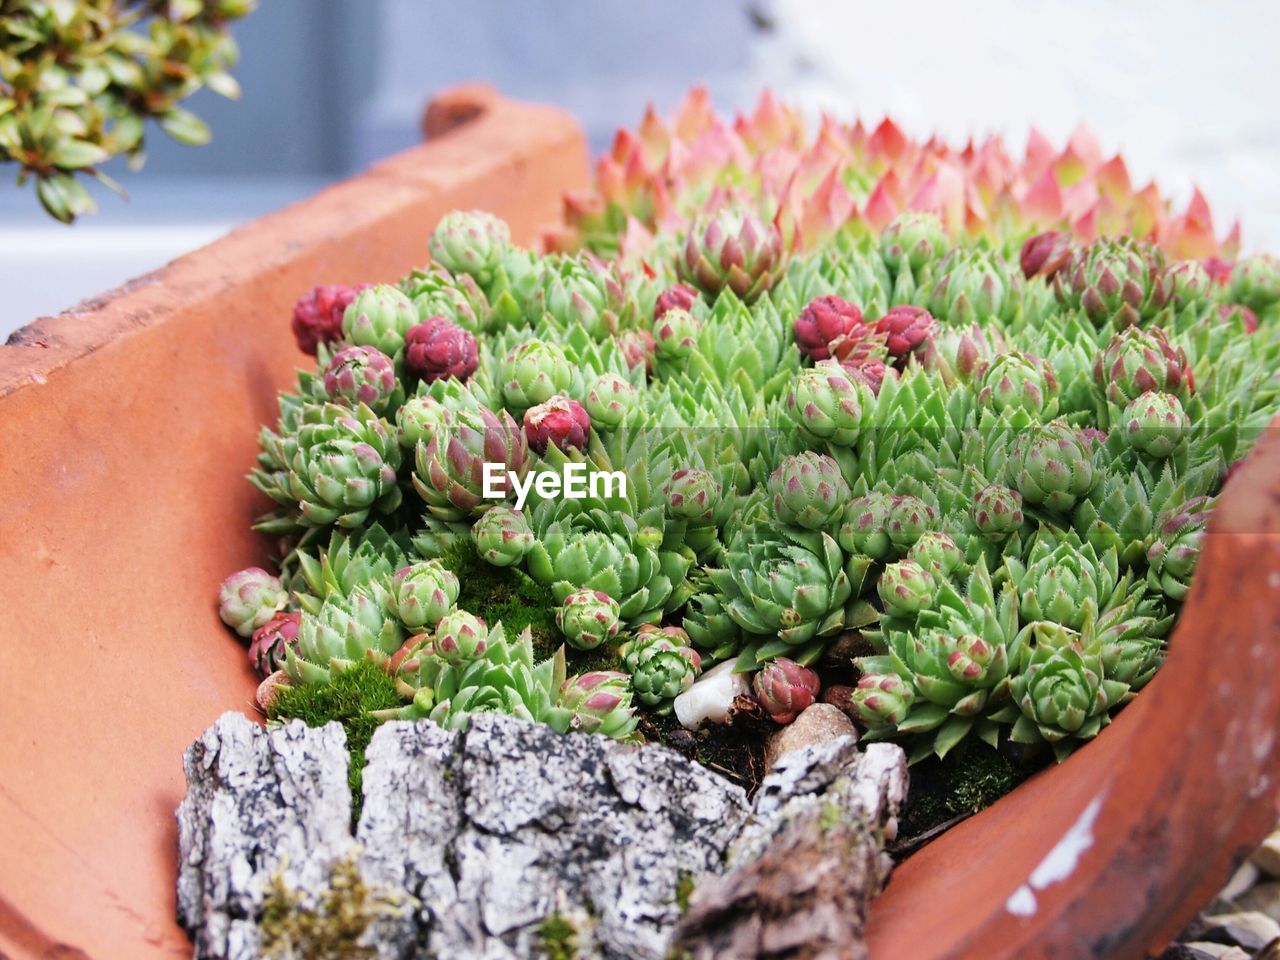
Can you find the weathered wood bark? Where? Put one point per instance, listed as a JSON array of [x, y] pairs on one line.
[[497, 841]]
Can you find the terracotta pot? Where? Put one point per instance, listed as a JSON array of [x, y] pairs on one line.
[[127, 425]]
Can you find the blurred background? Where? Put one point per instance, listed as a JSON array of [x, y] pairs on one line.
[[1180, 86]]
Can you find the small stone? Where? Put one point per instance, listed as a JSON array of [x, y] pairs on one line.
[[1242, 881], [711, 697], [1251, 930], [817, 724], [1267, 856], [1263, 898], [1204, 950]]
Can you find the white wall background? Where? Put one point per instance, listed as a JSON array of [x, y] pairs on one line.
[[1186, 88]]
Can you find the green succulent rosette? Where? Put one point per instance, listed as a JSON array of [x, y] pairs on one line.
[[344, 631], [472, 242]]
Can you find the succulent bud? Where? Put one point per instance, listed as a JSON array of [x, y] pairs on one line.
[[734, 249], [828, 403], [460, 637], [420, 419], [679, 296], [610, 400], [863, 526], [1255, 282], [692, 494], [905, 588], [808, 490], [675, 335], [360, 375], [560, 421], [937, 553], [600, 701], [907, 520], [907, 331], [272, 640], [1044, 254], [1231, 312], [1020, 381], [533, 373], [912, 239], [249, 599], [997, 512], [637, 348], [882, 700], [422, 593], [971, 658], [662, 665], [502, 536], [588, 618], [379, 317], [317, 316], [1155, 424], [823, 320], [1138, 360], [471, 242], [437, 349], [785, 689], [1052, 466]]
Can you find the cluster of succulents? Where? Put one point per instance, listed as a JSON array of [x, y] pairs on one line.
[[987, 456], [78, 81]]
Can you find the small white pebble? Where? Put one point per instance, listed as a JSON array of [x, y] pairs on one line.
[[710, 698]]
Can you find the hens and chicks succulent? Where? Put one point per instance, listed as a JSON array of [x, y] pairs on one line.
[[988, 458]]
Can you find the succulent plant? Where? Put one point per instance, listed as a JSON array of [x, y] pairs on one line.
[[1062, 694], [732, 249], [332, 465], [905, 588], [437, 349], [1136, 361], [502, 536], [937, 553], [270, 642], [973, 285], [1255, 282], [882, 700], [600, 702], [678, 296], [1020, 381], [829, 403], [1173, 554], [997, 512], [379, 317], [344, 631], [661, 664], [1066, 581], [419, 419], [422, 593], [912, 240], [1230, 312], [360, 375], [533, 373], [1155, 424], [317, 316], [559, 421], [460, 637], [907, 331], [249, 599], [675, 335], [638, 348], [807, 490], [1044, 254], [351, 558], [864, 526], [471, 242], [1115, 280], [785, 689], [783, 582], [824, 320], [907, 519], [610, 400], [588, 618], [1052, 467], [449, 472], [693, 494]]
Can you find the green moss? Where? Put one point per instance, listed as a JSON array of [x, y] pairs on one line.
[[684, 890], [970, 779], [347, 698], [558, 938], [512, 596], [295, 927]]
